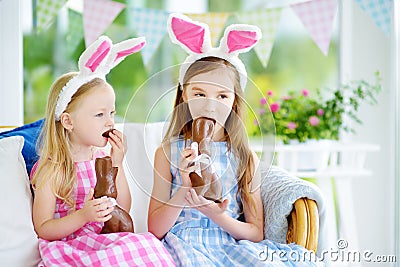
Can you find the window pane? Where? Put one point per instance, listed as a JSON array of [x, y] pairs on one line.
[[147, 92]]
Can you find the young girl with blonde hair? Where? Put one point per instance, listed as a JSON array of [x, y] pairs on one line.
[[66, 217], [195, 230]]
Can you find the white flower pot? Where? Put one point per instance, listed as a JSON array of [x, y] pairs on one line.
[[313, 155]]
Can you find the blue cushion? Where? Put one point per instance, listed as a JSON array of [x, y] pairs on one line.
[[30, 132]]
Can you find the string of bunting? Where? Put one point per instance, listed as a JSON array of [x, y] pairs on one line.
[[380, 12], [46, 10], [317, 17], [268, 21], [150, 23], [97, 16]]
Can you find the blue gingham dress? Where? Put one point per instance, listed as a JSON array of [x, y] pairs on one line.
[[195, 240]]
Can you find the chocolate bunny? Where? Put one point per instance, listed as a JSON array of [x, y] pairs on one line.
[[120, 221], [206, 183]]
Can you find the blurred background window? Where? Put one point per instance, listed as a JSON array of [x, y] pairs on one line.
[[146, 91]]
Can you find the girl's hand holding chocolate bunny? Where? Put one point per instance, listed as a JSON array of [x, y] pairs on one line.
[[118, 147]]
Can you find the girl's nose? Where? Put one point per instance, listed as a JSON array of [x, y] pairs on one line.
[[210, 105], [110, 121]]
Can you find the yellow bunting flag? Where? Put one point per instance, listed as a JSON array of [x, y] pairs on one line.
[[268, 21], [216, 22]]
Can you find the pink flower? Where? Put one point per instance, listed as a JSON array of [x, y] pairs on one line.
[[261, 111], [274, 107], [286, 97], [305, 92], [320, 112], [270, 93], [263, 101], [313, 120], [291, 125], [255, 122]]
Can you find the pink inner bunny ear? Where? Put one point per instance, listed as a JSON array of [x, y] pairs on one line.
[[98, 56], [238, 40], [189, 34], [127, 52]]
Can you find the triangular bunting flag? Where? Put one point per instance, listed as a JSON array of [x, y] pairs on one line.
[[268, 20], [216, 22], [75, 30], [152, 24], [380, 11], [317, 17], [97, 16], [46, 10]]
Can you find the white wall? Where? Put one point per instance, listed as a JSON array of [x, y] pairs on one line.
[[396, 83], [11, 81], [367, 49]]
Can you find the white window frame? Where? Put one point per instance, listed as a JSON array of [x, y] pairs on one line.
[[396, 83], [11, 70]]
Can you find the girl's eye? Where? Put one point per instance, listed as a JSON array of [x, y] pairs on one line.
[[112, 113], [99, 115], [199, 94]]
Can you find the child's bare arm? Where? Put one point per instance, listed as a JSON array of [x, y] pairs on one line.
[[163, 210], [51, 229]]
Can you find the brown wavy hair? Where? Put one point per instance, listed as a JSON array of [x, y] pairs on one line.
[[235, 133]]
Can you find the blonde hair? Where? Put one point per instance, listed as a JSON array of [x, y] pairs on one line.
[[56, 164], [235, 133]]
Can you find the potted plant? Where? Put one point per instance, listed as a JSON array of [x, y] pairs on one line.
[[301, 116]]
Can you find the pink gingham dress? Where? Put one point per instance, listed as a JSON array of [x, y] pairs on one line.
[[87, 247]]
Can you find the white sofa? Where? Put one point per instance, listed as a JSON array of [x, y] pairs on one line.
[[18, 241], [143, 140]]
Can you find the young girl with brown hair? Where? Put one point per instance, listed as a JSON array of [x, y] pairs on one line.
[[196, 230]]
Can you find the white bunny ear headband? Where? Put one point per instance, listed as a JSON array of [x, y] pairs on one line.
[[194, 38], [96, 62]]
